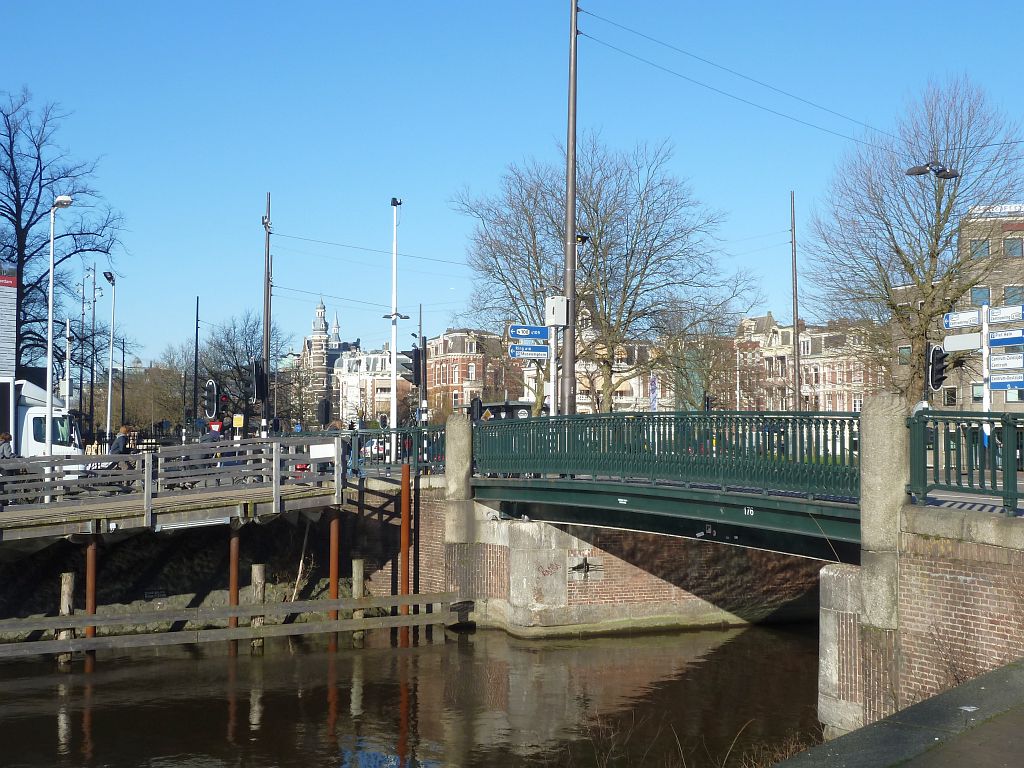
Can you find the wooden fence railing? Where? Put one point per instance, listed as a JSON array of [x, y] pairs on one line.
[[439, 606]]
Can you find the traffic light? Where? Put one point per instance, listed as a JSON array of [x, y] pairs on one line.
[[417, 369], [224, 405], [323, 411], [258, 384], [476, 409], [709, 402], [935, 369], [210, 399]]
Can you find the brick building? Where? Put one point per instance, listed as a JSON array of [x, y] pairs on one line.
[[464, 363]]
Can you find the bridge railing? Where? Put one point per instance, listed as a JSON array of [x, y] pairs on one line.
[[816, 454], [317, 459], [972, 453]]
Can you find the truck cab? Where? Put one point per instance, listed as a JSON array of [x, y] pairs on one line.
[[23, 413]]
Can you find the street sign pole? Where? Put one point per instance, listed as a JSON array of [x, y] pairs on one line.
[[986, 391], [552, 368]]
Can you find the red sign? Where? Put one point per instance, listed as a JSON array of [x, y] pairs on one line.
[[8, 281]]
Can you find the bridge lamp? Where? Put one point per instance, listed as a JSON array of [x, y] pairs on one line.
[[62, 201]]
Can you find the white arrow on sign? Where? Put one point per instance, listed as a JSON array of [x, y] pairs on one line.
[[962, 342], [961, 319]]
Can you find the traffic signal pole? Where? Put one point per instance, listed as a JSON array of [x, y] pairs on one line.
[[195, 374], [267, 266]]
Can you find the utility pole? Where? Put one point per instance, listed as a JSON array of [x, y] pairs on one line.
[[796, 307], [124, 372], [267, 276], [81, 351], [195, 373], [92, 361], [569, 337]]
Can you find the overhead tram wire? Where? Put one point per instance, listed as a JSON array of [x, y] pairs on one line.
[[748, 78], [370, 250], [369, 304], [764, 85], [357, 262], [740, 99]]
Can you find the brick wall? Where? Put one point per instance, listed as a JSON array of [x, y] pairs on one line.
[[628, 567], [961, 612]]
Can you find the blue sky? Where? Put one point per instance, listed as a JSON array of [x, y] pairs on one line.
[[197, 110]]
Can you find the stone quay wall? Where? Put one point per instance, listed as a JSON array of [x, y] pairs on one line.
[[937, 600]]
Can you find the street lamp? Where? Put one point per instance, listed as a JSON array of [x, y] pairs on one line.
[[393, 418], [62, 201], [110, 366], [939, 170]]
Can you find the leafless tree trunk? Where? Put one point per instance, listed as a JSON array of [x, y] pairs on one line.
[[34, 171], [887, 246]]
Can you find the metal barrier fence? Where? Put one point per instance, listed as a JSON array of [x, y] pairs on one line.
[[816, 454], [972, 453], [308, 459]]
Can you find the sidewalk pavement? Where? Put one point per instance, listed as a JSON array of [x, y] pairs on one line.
[[979, 724]]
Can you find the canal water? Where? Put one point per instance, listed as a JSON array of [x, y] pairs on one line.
[[474, 699]]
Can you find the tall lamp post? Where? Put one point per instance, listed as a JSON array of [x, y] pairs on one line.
[[62, 201], [945, 174], [393, 417], [110, 365]]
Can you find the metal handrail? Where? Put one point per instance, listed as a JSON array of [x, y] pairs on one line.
[[816, 454], [977, 453], [308, 458]]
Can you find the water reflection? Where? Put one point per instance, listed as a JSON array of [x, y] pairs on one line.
[[477, 700]]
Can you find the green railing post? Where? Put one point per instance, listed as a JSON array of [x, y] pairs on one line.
[[1009, 460], [918, 457]]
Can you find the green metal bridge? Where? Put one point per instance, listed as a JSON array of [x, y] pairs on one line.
[[772, 480], [784, 481]]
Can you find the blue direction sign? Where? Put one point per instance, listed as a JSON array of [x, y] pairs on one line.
[[528, 351], [1006, 381], [1010, 338], [964, 319], [539, 332]]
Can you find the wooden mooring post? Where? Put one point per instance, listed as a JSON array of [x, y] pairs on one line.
[[67, 603], [259, 597]]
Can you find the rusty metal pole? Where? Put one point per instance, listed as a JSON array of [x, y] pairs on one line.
[[91, 550], [233, 574], [403, 582], [335, 558]]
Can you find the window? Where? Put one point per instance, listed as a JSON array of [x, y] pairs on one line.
[[979, 249], [471, 347], [1013, 247], [949, 395], [904, 353], [1013, 395], [858, 402], [1013, 294], [455, 374], [805, 346], [977, 392], [455, 400], [980, 295], [471, 374]]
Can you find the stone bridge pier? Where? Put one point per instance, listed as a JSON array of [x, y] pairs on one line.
[[532, 578], [937, 599]]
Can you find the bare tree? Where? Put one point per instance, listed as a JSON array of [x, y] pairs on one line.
[[34, 171], [228, 352], [648, 248], [887, 244]]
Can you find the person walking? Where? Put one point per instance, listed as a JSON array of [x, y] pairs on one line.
[[120, 444], [6, 449]]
